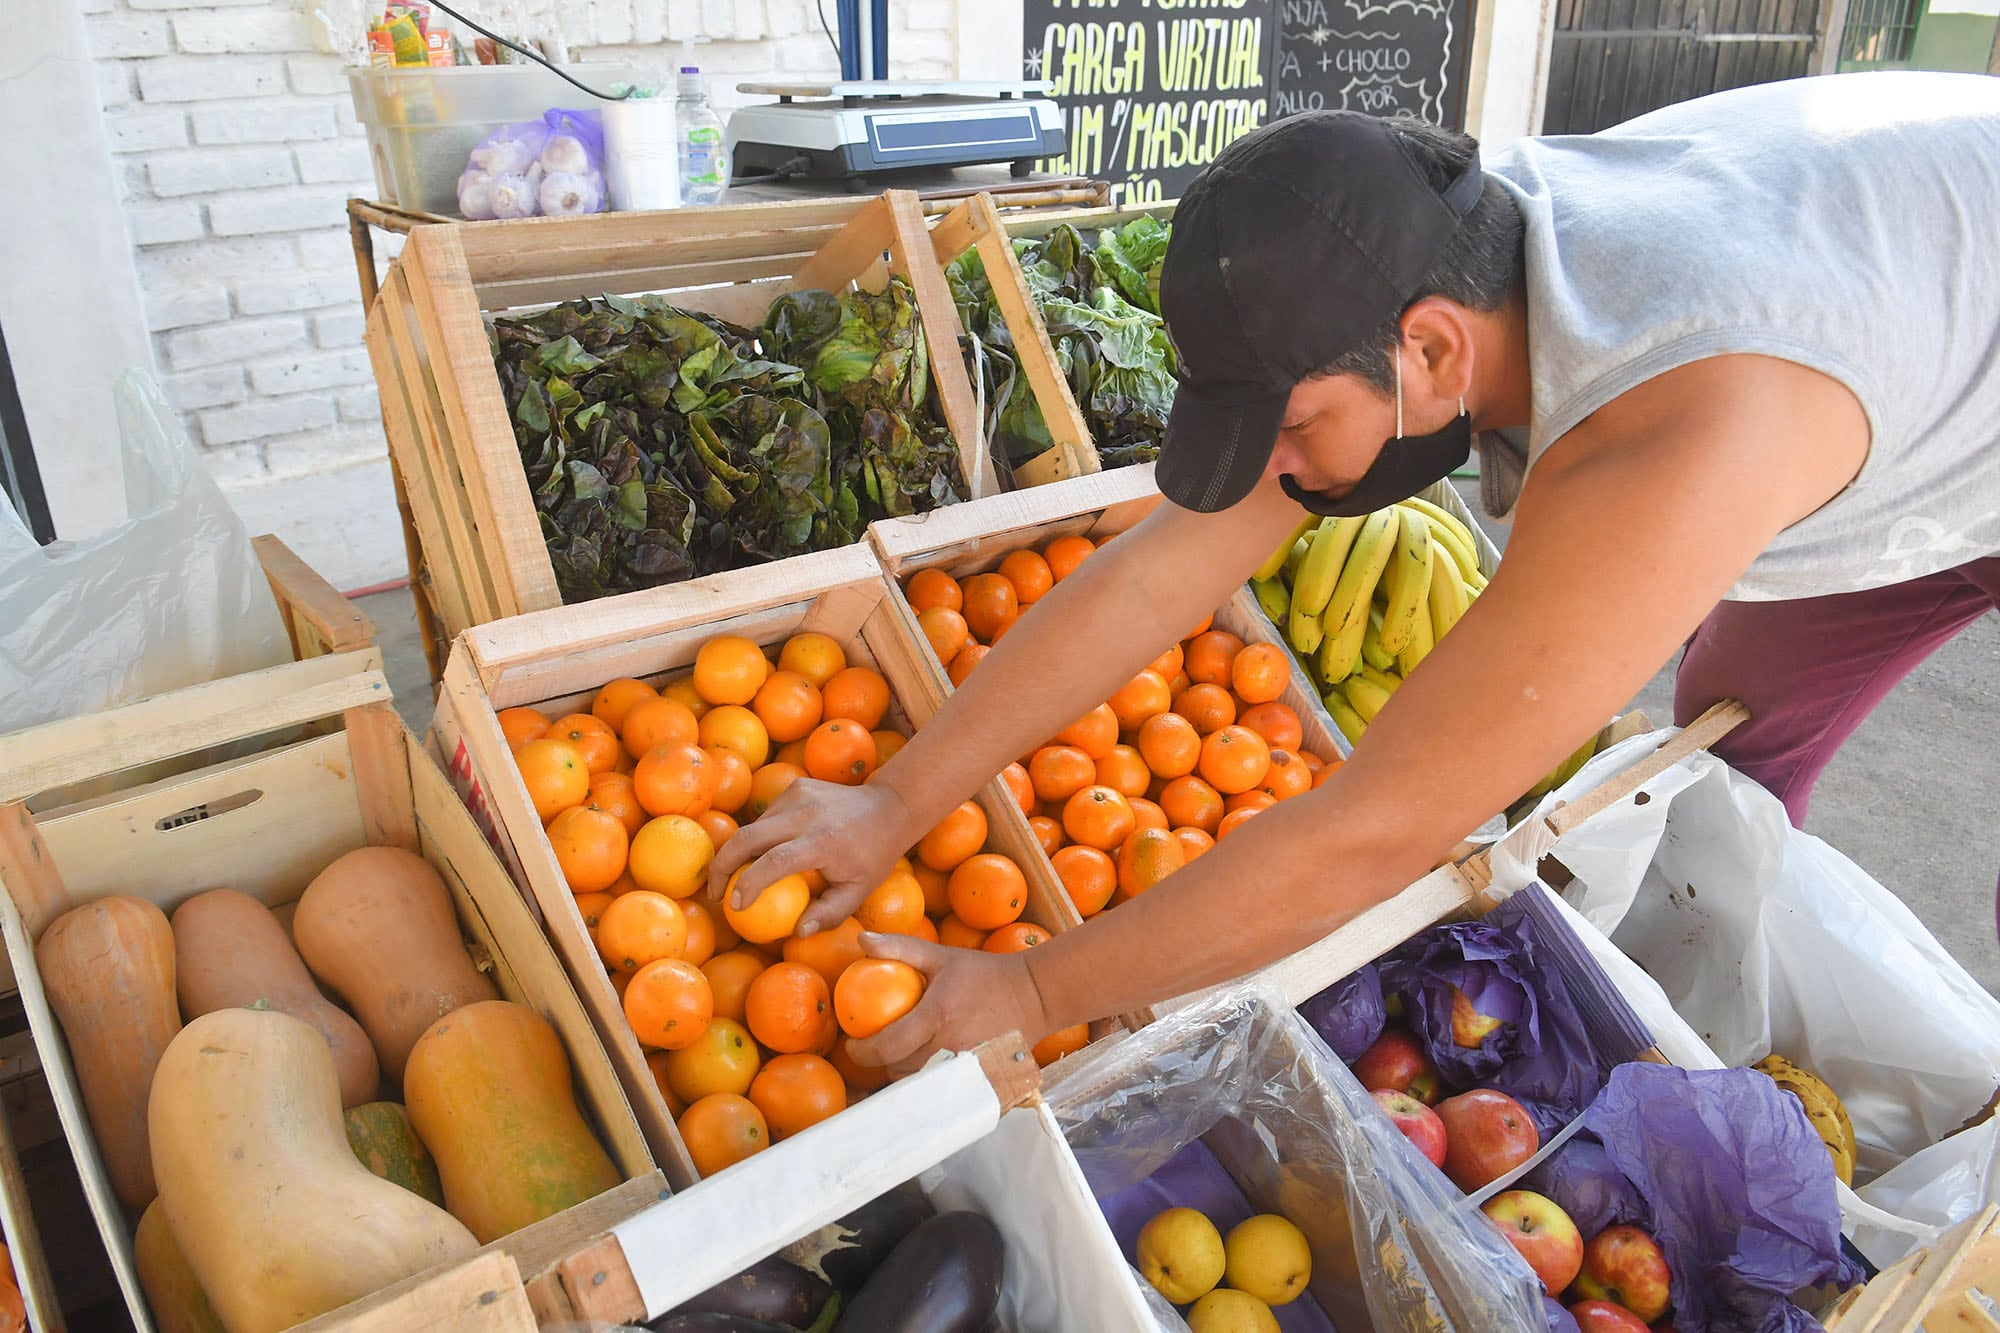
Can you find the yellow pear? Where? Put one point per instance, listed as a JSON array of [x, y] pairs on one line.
[[1268, 1257], [1227, 1311], [1180, 1253]]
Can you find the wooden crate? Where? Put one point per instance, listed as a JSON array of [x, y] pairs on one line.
[[557, 660], [1953, 1284], [266, 823], [451, 435], [317, 619]]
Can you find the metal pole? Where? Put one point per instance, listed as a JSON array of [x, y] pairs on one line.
[[849, 12], [879, 47]]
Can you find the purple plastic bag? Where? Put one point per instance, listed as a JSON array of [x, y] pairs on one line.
[[1350, 1014], [1585, 1184], [1560, 1319]]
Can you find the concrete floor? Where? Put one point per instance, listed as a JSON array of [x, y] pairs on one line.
[[1913, 797]]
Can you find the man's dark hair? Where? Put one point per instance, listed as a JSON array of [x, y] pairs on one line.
[[1481, 268]]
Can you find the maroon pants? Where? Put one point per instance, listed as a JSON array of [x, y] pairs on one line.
[[1810, 670]]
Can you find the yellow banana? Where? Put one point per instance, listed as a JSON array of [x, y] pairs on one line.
[[1318, 577], [1272, 599], [1372, 651], [1276, 560], [1444, 516], [1351, 723], [1408, 583], [1422, 640], [1564, 771], [1384, 680], [1464, 553], [1366, 697], [1346, 612], [1295, 558], [1823, 1110], [1448, 597]]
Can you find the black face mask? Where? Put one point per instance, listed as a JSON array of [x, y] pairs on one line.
[[1405, 466]]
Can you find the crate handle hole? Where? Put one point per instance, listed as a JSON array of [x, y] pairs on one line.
[[194, 814]]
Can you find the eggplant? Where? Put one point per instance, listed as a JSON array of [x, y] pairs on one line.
[[847, 1253], [714, 1321], [943, 1278], [771, 1289]]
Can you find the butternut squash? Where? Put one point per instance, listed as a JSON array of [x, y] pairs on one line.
[[278, 1221], [377, 927], [386, 1143], [178, 1303], [108, 969], [231, 953], [488, 1088]]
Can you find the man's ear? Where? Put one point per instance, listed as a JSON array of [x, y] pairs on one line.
[[1437, 347]]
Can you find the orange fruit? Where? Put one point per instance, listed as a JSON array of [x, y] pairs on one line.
[[1170, 745], [623, 884], [1234, 759], [670, 855], [1178, 683], [774, 915], [700, 946], [1098, 817], [1143, 696], [893, 907], [640, 928], [958, 835], [732, 779], [1124, 770], [945, 630], [1061, 1042], [729, 670], [793, 753], [668, 1003], [1277, 723], [936, 886], [1193, 843], [1088, 875], [767, 784], [1015, 937], [521, 725], [590, 847], [934, 587], [1095, 733], [721, 1130], [675, 780], [788, 705], [734, 727], [684, 693], [1000, 630], [857, 694], [1192, 803], [1030, 574], [1059, 772], [1313, 761], [1168, 664], [817, 657], [723, 1059], [887, 744], [1064, 554], [614, 794], [859, 1078], [1211, 657], [555, 775], [1048, 832], [987, 891], [1147, 814], [729, 976], [1200, 629], [796, 1092], [961, 666], [925, 929], [1209, 707], [719, 827], [789, 1008], [656, 1064], [873, 993], [1235, 820], [1331, 767], [1255, 799], [989, 600], [840, 751], [955, 934], [651, 723], [1286, 776], [827, 952], [615, 699], [1018, 782], [1260, 673], [1148, 857], [591, 906]]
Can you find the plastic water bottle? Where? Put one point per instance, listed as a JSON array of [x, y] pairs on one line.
[[704, 156]]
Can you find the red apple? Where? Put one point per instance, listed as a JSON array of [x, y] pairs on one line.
[[1542, 1232], [1469, 1027], [1420, 1124], [1624, 1265], [1487, 1134], [1604, 1317], [1398, 1063]]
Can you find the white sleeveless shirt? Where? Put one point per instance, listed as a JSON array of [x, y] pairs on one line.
[[1850, 224]]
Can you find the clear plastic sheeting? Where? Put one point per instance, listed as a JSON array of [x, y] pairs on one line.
[[173, 596], [1392, 1248]]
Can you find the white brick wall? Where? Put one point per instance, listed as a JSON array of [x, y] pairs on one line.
[[237, 145]]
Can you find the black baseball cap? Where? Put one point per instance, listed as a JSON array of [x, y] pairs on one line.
[[1301, 238]]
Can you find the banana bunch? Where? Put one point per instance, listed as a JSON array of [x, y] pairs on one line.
[[1363, 600], [1823, 1109]]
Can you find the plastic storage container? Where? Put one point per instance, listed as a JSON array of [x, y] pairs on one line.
[[423, 122]]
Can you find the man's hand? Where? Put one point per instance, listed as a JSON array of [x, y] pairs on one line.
[[969, 997], [851, 835]]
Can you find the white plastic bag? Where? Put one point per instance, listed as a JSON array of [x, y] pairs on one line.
[[172, 596]]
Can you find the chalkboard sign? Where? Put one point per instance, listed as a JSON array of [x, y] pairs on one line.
[[1152, 90]]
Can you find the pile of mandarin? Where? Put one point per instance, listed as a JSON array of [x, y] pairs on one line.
[[745, 1024], [1183, 754]]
